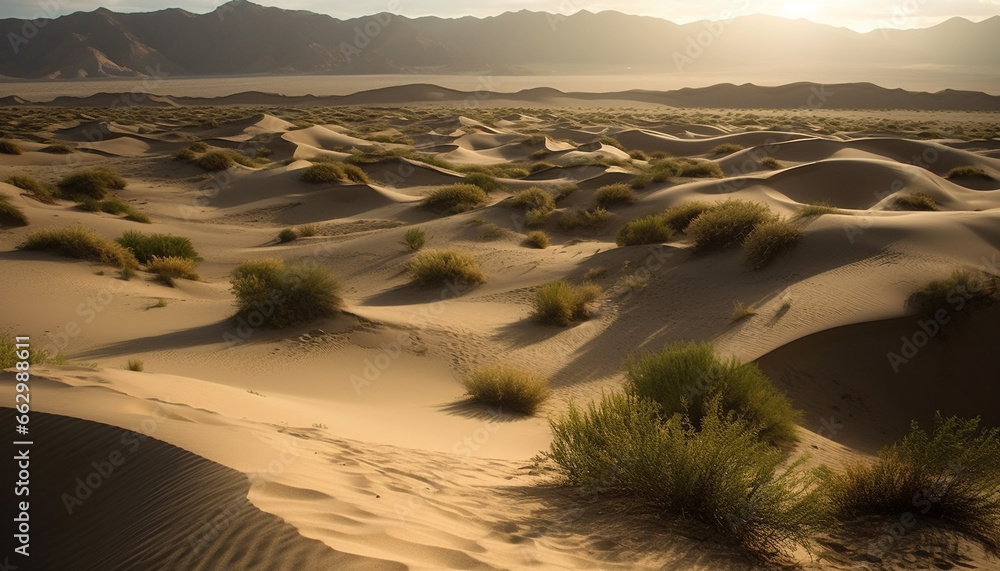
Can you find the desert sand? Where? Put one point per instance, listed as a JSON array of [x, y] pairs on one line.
[[347, 444]]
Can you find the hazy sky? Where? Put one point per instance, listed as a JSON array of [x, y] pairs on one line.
[[861, 15]]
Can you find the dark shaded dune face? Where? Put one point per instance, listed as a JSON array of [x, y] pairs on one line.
[[140, 503]]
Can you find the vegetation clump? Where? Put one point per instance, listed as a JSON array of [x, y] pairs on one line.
[[80, 242], [727, 224], [440, 267], [145, 247], [271, 293], [561, 303], [508, 389], [94, 183], [456, 198]]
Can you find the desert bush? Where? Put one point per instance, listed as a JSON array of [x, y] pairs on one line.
[[916, 201], [537, 239], [742, 311], [702, 169], [215, 161], [439, 267], [561, 303], [172, 268], [287, 235], [11, 214], [355, 174], [185, 155], [274, 294], [679, 216], [491, 231], [508, 388], [818, 209], [611, 142], [483, 181], [592, 218], [9, 352], [323, 173], [145, 247], [534, 198], [690, 375], [727, 149], [950, 475], [536, 217], [638, 155], [80, 242], [967, 172], [539, 167], [95, 183], [456, 198], [770, 163], [9, 147], [565, 191], [502, 170], [720, 473], [135, 365], [35, 187], [650, 229], [727, 224], [614, 194], [59, 149], [769, 240], [961, 290], [415, 238], [308, 230], [596, 273]]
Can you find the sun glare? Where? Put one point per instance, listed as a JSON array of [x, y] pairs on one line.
[[797, 10]]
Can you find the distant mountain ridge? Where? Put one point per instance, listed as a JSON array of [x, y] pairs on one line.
[[793, 96], [241, 37]]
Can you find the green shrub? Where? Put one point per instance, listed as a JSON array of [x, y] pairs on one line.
[[970, 289], [720, 474], [592, 218], [95, 183], [540, 166], [492, 231], [59, 149], [611, 142], [323, 173], [727, 149], [439, 267], [415, 238], [10, 214], [650, 229], [8, 352], [769, 240], [561, 303], [690, 375], [967, 172], [818, 209], [565, 191], [537, 239], [80, 242], [702, 169], [215, 161], [135, 365], [308, 230], [916, 201], [269, 292], [679, 216], [355, 174], [638, 155], [508, 388], [483, 181], [172, 268], [199, 146], [536, 217], [950, 475], [534, 198], [185, 155], [9, 147], [615, 194], [35, 187], [456, 198], [136, 216], [727, 224], [287, 235], [770, 163], [145, 247], [502, 170]]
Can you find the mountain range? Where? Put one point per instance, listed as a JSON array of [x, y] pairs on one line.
[[240, 37]]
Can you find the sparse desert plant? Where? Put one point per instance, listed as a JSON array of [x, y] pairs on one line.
[[508, 388], [596, 273], [915, 201], [199, 146], [770, 163], [962, 289], [650, 229], [727, 149], [561, 303], [536, 217], [126, 273], [135, 365], [591, 218], [160, 303], [95, 183], [769, 240], [537, 239], [679, 216], [614, 195], [185, 155], [80, 242], [35, 187], [323, 173], [611, 142], [274, 294], [287, 235], [10, 214], [727, 224], [9, 352], [684, 377], [950, 475], [818, 209], [638, 155], [456, 198], [415, 238], [701, 169], [483, 181], [172, 268], [540, 166], [534, 198], [58, 149], [308, 230], [719, 473], [491, 231], [565, 191], [147, 246], [967, 172], [9, 147], [355, 174], [742, 311], [633, 282], [215, 161], [439, 267]]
